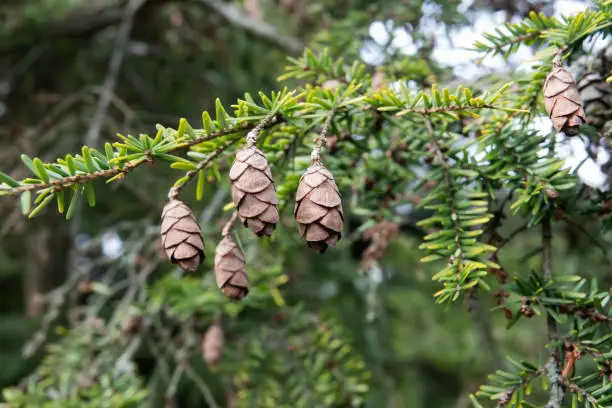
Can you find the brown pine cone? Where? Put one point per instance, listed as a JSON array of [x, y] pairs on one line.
[[212, 344], [379, 235], [181, 236], [230, 269], [318, 208], [253, 191], [562, 101]]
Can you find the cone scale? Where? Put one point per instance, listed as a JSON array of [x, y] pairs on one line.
[[253, 191], [318, 208], [230, 269], [181, 236], [562, 101]]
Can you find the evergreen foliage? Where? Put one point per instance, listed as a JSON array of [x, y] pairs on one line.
[[467, 156]]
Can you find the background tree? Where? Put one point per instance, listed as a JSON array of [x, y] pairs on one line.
[[449, 175]]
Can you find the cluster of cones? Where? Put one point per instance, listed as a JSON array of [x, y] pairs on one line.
[[318, 211], [318, 205]]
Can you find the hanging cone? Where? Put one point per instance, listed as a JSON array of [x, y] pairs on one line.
[[253, 191], [379, 236], [181, 236], [562, 101], [318, 208], [212, 344], [230, 269]]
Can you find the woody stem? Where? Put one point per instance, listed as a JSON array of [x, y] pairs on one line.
[[253, 134], [175, 191], [322, 137], [553, 370], [557, 59], [227, 228]]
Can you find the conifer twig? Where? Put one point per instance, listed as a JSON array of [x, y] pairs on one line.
[[253, 134], [553, 370], [70, 181], [449, 183], [175, 191], [322, 137], [227, 228]]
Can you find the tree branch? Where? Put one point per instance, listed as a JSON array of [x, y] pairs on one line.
[[236, 17], [553, 370], [114, 67], [84, 22], [67, 182], [175, 191], [76, 24]]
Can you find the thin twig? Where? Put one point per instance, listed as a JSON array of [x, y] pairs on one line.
[[553, 370], [512, 235], [600, 245], [202, 386], [215, 204], [114, 67], [577, 168], [180, 356], [175, 191], [322, 137], [449, 183], [513, 40], [252, 136], [79, 24], [507, 395], [70, 181], [56, 300], [236, 17], [227, 228], [440, 109], [572, 387], [163, 365], [174, 381]]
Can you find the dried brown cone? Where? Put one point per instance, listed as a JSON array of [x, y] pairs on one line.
[[253, 191], [562, 101], [230, 269], [181, 236], [318, 208], [212, 344], [379, 235]]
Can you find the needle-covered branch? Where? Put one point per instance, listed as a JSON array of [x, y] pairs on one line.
[[51, 179], [364, 152]]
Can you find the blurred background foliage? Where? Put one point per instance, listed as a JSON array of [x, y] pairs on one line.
[[315, 330]]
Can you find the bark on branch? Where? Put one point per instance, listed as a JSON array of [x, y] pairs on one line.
[[553, 366], [89, 21], [236, 17]]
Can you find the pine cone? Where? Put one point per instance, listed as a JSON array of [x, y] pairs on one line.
[[230, 269], [212, 344], [562, 101], [253, 191], [181, 236], [318, 208]]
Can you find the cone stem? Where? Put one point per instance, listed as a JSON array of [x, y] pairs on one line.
[[321, 138], [251, 137], [175, 191], [227, 228], [558, 56]]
